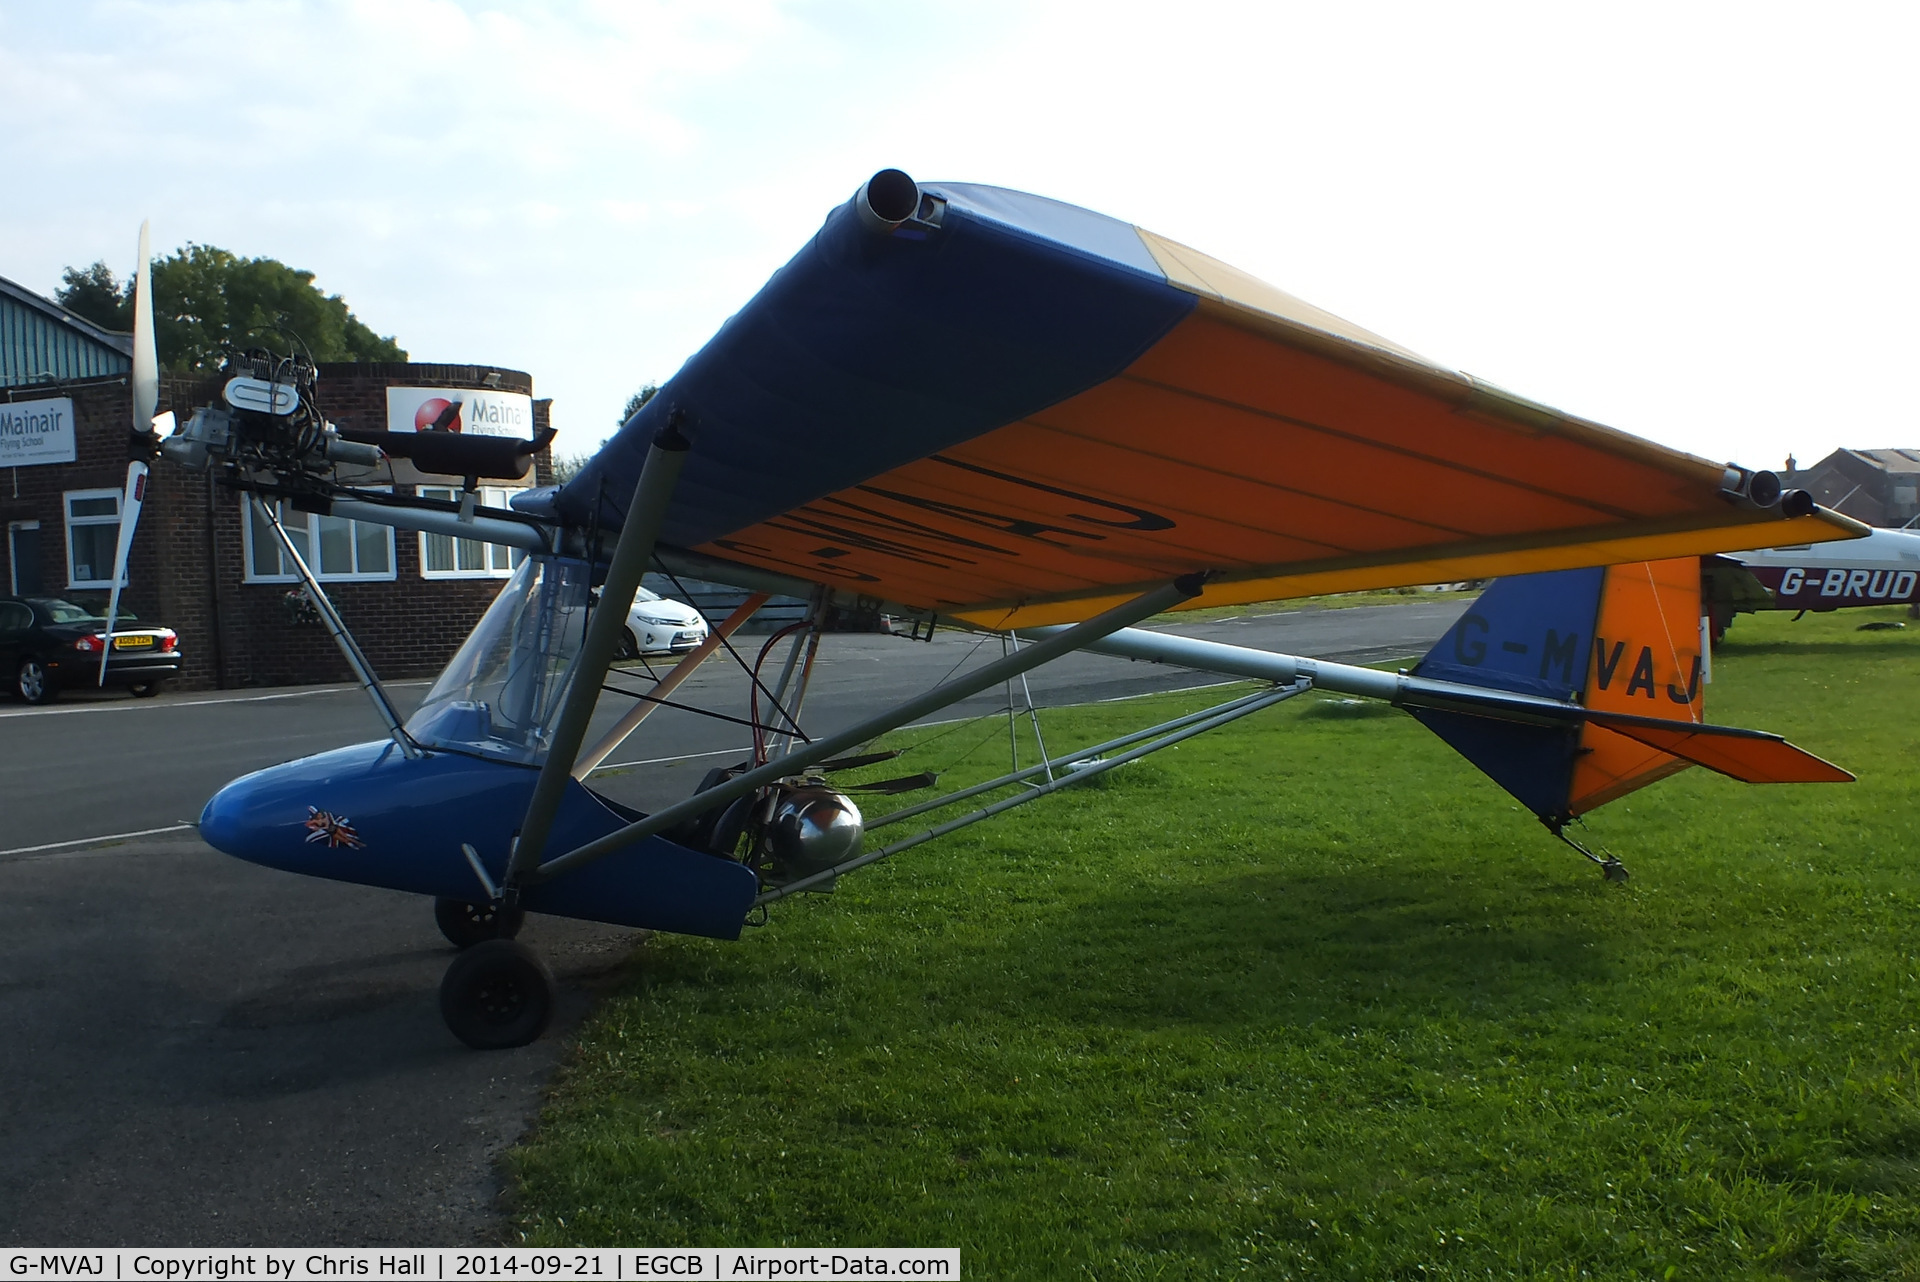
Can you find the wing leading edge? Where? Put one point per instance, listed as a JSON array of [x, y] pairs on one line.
[[1016, 412]]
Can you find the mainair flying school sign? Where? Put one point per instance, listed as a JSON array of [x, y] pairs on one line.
[[473, 410], [34, 432]]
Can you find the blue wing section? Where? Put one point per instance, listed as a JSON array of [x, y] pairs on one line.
[[1530, 633], [871, 349]]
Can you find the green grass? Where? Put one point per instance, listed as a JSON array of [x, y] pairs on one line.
[[1308, 997]]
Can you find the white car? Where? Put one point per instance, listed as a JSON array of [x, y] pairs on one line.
[[656, 625]]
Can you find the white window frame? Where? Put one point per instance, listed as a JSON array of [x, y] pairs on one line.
[[309, 554], [501, 559], [70, 521]]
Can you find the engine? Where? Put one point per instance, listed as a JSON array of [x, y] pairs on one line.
[[267, 428]]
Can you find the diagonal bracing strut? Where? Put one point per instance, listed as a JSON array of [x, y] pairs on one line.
[[941, 696]]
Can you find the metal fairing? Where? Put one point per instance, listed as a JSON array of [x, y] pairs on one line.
[[412, 816]]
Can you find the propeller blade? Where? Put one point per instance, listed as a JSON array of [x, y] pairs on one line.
[[146, 399], [130, 504], [146, 356]]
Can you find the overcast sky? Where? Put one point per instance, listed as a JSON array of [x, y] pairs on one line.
[[1692, 222]]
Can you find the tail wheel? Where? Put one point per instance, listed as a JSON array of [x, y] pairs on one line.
[[466, 924], [33, 683], [498, 995]]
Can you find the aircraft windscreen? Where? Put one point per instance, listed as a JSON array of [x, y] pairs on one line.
[[502, 690]]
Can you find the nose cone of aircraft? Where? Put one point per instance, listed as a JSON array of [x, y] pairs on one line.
[[298, 815]]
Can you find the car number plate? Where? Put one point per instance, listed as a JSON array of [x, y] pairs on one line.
[[132, 643]]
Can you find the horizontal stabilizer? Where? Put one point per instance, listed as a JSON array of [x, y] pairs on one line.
[[1751, 756]]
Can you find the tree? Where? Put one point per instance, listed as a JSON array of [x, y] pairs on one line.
[[93, 294], [634, 402], [206, 300]]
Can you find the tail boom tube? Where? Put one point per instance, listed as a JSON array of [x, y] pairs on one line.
[[1752, 756]]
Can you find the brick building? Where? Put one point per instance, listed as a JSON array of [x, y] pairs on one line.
[[200, 564], [1880, 487]]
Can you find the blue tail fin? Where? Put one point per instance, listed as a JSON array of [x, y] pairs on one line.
[[1531, 634]]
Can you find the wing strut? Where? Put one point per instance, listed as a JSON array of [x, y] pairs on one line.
[[1176, 731], [342, 637], [631, 552], [944, 695], [643, 708]]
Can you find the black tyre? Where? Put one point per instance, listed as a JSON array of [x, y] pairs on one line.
[[33, 683], [628, 648], [698, 833], [466, 924], [145, 689], [724, 839], [497, 995]]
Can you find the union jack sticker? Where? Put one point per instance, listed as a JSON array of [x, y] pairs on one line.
[[334, 830]]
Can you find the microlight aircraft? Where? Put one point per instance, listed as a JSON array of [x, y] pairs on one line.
[[1008, 414]]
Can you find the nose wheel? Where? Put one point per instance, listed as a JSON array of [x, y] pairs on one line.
[[498, 994], [466, 924]]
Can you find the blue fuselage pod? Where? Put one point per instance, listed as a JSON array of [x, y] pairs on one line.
[[369, 814]]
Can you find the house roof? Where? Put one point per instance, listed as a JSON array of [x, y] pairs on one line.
[[1892, 460]]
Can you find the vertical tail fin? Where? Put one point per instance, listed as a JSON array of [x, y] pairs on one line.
[[1622, 638], [1647, 662]]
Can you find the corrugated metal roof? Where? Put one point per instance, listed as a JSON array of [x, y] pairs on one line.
[[41, 341]]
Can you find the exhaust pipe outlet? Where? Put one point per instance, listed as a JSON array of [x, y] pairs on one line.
[[886, 200], [353, 452], [1796, 503], [1760, 490]]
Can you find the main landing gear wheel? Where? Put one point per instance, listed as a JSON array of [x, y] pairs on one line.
[[498, 995], [33, 683], [466, 924]]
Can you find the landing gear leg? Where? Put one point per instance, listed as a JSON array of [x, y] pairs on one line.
[[1610, 867]]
